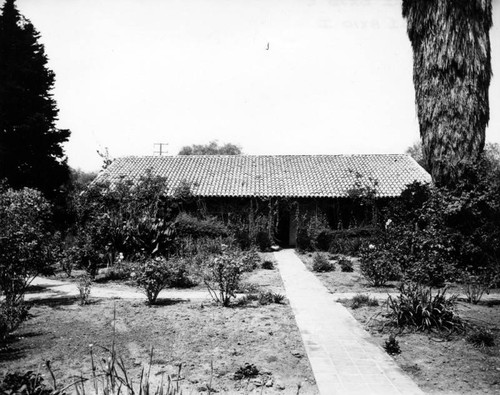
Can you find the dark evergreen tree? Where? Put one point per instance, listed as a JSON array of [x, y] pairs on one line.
[[31, 152]]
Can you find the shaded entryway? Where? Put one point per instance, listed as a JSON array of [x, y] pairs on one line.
[[342, 356]]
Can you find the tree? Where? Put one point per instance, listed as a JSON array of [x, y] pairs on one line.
[[415, 151], [451, 75], [31, 153], [212, 148]]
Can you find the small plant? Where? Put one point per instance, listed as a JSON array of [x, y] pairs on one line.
[[481, 338], [152, 276], [12, 314], [248, 288], [246, 371], [391, 346], [84, 287], [25, 383], [377, 266], [266, 298], [417, 307], [475, 285], [222, 275], [363, 300], [321, 263], [268, 265], [346, 265]]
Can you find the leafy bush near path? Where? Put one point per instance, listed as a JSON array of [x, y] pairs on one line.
[[152, 276], [417, 307], [377, 266], [322, 264]]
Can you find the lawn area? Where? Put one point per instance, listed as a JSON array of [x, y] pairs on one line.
[[437, 363], [211, 342]]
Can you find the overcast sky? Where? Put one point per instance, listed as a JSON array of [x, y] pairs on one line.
[[337, 77]]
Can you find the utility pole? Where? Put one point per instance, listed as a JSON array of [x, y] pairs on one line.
[[159, 150]]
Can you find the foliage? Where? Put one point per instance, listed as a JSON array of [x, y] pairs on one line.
[[481, 337], [222, 275], [346, 265], [415, 151], [263, 240], [12, 314], [180, 275], [32, 154], [476, 282], [268, 265], [360, 300], [29, 383], [309, 227], [417, 307], [322, 264], [26, 245], [391, 346], [377, 266], [268, 297], [187, 225], [152, 275], [84, 287], [212, 148], [451, 74], [246, 371], [350, 241]]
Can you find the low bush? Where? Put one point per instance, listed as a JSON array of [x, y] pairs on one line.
[[246, 371], [481, 337], [363, 300], [25, 383], [477, 282], [346, 265], [417, 307], [152, 276], [84, 286], [12, 314], [248, 288], [266, 298], [377, 266], [179, 273], [267, 265], [250, 260], [391, 346], [187, 225], [322, 264], [222, 275], [350, 241]]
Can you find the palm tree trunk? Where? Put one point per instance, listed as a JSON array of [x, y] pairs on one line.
[[451, 75]]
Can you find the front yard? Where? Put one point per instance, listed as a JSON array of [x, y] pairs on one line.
[[437, 363], [210, 342]]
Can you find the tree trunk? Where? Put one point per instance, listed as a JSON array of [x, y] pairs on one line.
[[451, 75]]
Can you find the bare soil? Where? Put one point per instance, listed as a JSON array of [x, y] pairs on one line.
[[210, 342], [438, 363]]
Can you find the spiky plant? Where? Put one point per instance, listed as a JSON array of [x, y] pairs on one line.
[[451, 75]]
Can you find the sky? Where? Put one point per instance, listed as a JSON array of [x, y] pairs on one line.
[[273, 76]]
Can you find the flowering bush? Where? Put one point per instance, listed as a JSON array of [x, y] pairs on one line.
[[377, 266], [222, 275], [152, 276]]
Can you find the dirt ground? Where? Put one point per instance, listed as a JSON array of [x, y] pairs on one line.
[[439, 365], [211, 342]]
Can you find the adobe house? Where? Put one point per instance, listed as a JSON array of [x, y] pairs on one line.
[[279, 186]]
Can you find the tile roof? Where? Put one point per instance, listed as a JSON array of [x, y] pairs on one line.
[[272, 176]]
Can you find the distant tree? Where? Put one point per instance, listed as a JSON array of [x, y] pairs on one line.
[[212, 148], [451, 74], [31, 152]]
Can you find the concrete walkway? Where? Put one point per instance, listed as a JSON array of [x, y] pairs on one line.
[[342, 356]]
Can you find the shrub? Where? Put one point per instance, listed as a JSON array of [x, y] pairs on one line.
[[179, 273], [263, 240], [346, 265], [266, 298], [363, 300], [476, 282], [417, 307], [246, 371], [187, 225], [481, 337], [25, 383], [222, 275], [324, 239], [12, 314], [376, 265], [391, 346], [268, 265], [84, 287], [250, 260], [321, 263], [152, 276], [248, 288]]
